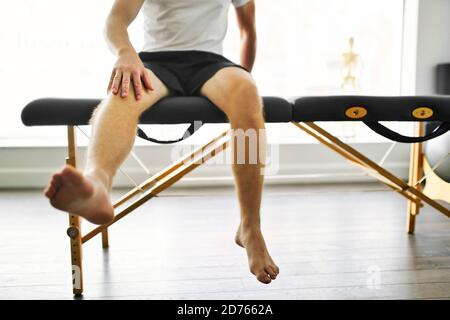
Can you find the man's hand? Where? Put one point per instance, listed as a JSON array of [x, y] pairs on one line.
[[129, 70]]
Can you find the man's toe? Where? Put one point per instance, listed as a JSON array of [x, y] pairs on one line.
[[271, 272], [263, 277]]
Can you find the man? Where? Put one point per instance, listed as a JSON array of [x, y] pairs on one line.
[[182, 55]]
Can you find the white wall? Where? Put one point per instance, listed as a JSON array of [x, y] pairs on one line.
[[433, 42]]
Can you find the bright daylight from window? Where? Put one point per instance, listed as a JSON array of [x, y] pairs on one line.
[[305, 47]]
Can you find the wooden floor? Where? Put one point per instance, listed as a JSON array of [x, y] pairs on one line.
[[331, 242]]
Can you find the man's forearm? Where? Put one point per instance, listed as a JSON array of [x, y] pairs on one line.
[[116, 35], [248, 50]]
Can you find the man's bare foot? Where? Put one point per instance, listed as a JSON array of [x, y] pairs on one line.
[[86, 196], [260, 262]]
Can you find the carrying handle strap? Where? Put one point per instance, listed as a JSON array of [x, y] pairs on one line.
[[193, 127], [392, 135]]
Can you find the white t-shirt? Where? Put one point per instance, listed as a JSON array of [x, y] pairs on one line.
[[186, 24]]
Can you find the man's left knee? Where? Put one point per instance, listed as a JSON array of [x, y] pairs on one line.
[[245, 102], [243, 90]]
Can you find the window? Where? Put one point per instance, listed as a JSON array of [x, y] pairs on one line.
[[56, 48]]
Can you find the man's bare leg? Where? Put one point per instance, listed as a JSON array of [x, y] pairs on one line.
[[113, 135], [234, 91]]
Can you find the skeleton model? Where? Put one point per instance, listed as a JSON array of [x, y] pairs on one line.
[[349, 65]]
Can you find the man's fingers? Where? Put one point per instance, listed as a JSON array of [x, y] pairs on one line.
[[125, 84], [137, 85], [147, 82], [120, 81], [116, 81], [111, 80]]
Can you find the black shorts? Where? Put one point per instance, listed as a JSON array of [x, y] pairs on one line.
[[185, 72]]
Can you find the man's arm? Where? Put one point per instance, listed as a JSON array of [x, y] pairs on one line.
[[247, 27], [128, 68]]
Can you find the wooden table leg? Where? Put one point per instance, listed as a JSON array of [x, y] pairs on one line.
[[415, 173], [105, 238], [74, 230]]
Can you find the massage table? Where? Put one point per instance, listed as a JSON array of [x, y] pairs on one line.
[[431, 115]]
